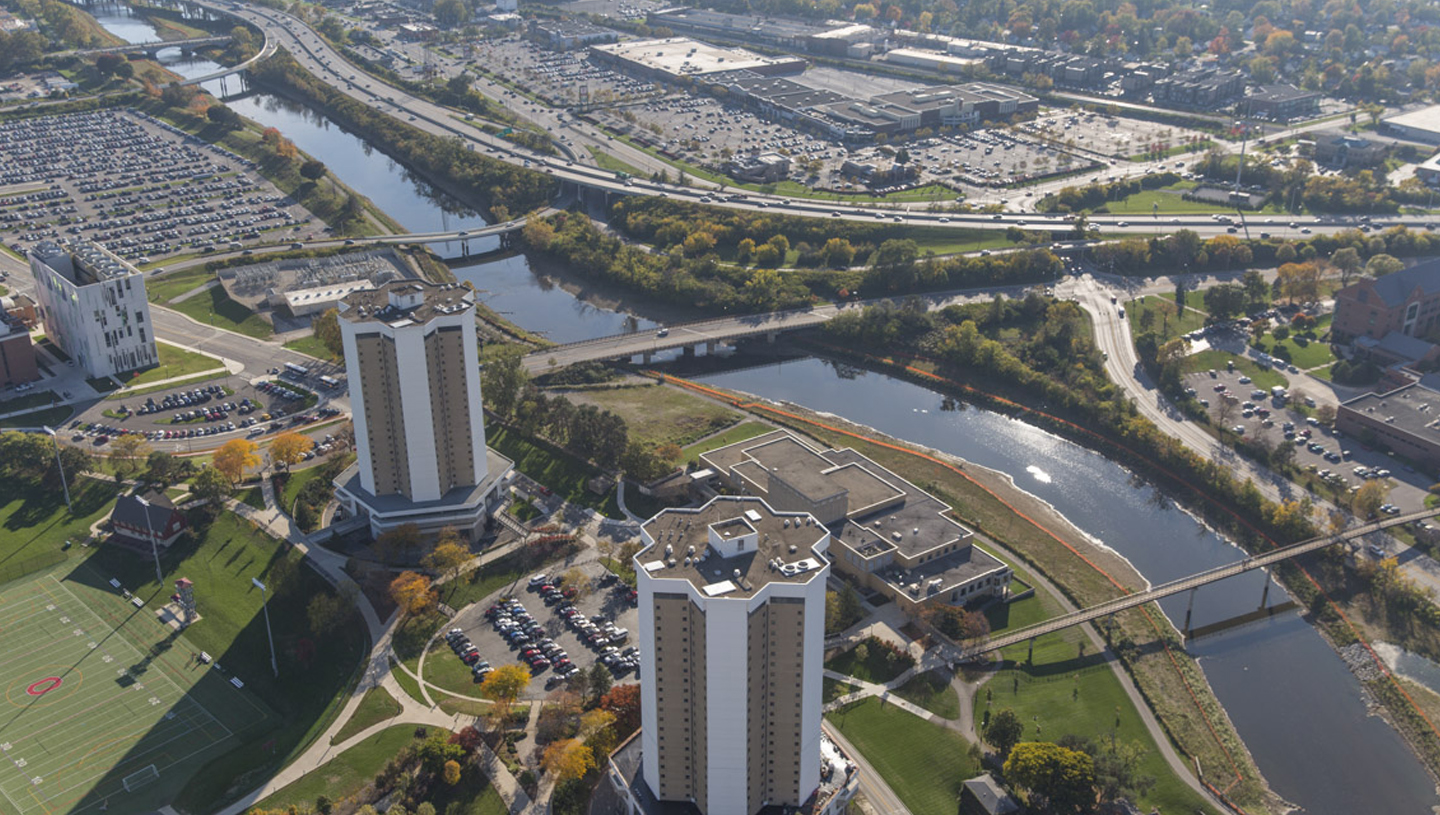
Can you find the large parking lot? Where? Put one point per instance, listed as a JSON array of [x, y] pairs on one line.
[[502, 630], [142, 188], [558, 76], [1111, 136]]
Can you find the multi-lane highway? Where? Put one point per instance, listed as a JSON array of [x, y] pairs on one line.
[[316, 56]]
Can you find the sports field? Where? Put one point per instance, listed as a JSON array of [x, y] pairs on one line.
[[106, 709]]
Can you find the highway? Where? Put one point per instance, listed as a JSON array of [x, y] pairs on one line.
[[316, 56]]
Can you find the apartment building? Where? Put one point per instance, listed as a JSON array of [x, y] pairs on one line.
[[732, 626], [414, 371], [93, 306]]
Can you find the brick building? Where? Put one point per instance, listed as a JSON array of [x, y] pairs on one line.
[[1407, 302]]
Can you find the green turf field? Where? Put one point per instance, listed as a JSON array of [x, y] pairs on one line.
[[101, 696]]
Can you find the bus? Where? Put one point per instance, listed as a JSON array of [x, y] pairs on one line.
[[297, 371], [329, 382]]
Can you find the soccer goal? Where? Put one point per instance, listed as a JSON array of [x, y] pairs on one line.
[[140, 778]]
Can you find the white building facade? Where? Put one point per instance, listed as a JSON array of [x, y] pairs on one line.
[[93, 306]]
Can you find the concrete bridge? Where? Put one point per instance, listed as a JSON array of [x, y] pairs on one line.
[[150, 49], [688, 336], [1190, 583]]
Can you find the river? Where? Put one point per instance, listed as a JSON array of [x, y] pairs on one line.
[[1294, 702]]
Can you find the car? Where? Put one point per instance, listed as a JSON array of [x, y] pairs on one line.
[[1244, 380], [536, 581]]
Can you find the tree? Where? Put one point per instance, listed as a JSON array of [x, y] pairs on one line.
[[451, 14], [1367, 500], [452, 772], [327, 610], [211, 485], [436, 750], [289, 448], [223, 116], [313, 170], [1325, 414], [624, 702], [1224, 301], [105, 64], [838, 253], [503, 686], [394, 542], [163, 469], [600, 681], [576, 579], [1063, 778], [412, 592], [327, 331], [597, 729], [1383, 264], [448, 555], [1256, 289], [893, 264], [1347, 260], [127, 452], [235, 457], [1003, 731], [568, 759]]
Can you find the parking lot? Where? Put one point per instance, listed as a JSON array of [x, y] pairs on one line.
[[185, 417], [140, 187], [1110, 136], [557, 75], [501, 631]]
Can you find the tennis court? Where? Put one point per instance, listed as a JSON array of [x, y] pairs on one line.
[[106, 709]]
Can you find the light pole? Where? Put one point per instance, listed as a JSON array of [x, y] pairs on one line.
[[154, 546], [274, 666], [61, 465]]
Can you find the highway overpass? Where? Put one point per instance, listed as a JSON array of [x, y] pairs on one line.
[[151, 48]]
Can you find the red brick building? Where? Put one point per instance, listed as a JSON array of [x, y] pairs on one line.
[[17, 355], [138, 522], [1407, 302]]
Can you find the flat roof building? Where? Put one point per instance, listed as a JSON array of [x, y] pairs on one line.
[[732, 625], [1422, 125], [890, 535], [412, 359], [1405, 420], [17, 353], [1341, 149], [675, 57], [94, 307], [1281, 103]]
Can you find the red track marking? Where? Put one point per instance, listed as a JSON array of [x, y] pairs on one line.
[[44, 686]]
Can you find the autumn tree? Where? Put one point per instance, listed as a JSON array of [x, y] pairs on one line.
[[597, 729], [448, 555], [576, 579], [1061, 778], [211, 485], [412, 592], [568, 759], [502, 686], [624, 702], [1003, 731], [127, 453], [452, 772], [235, 457], [289, 448], [1371, 495]]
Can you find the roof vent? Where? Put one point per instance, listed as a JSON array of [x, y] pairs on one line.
[[896, 535], [687, 561], [917, 531], [786, 523], [671, 562], [669, 550], [737, 574]]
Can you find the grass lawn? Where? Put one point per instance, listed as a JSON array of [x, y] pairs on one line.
[[1169, 202], [34, 522], [1167, 324], [932, 691], [103, 384], [834, 689], [1065, 694], [216, 308], [1303, 352], [523, 510], [49, 417], [740, 432], [375, 707], [408, 684], [565, 475], [179, 384], [51, 348], [660, 414], [605, 161], [29, 400], [174, 362], [296, 480], [345, 774], [251, 496], [312, 346], [444, 670], [1205, 360], [476, 585], [222, 557], [878, 666], [924, 763], [474, 795], [956, 241], [168, 286]]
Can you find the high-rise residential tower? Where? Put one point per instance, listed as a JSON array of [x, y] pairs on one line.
[[94, 307], [732, 631], [413, 364]]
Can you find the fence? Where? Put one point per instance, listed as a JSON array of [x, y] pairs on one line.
[[15, 571]]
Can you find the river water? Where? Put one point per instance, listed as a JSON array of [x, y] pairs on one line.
[[1294, 702]]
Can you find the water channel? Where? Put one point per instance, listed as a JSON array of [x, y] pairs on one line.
[[1294, 702]]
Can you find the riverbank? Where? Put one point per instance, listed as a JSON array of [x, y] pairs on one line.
[[1172, 683]]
